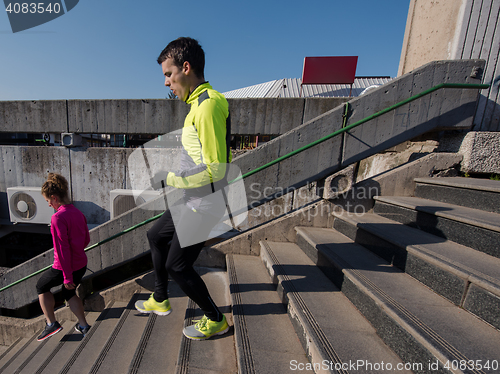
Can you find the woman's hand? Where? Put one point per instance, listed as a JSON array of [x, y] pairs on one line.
[[70, 286]]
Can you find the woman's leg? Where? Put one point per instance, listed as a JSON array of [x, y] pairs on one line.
[[76, 306], [47, 303], [49, 279], [74, 302]]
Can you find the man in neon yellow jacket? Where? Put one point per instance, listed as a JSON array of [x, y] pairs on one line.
[[205, 154]]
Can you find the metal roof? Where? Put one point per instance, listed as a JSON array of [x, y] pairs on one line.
[[290, 87]]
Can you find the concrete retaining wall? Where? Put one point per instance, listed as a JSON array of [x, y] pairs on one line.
[[159, 116], [455, 29]]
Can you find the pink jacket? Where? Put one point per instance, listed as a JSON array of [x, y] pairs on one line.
[[70, 235]]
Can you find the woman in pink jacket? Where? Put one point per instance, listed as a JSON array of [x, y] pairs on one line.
[[70, 236]]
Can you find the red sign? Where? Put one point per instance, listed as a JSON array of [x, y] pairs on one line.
[[329, 70]]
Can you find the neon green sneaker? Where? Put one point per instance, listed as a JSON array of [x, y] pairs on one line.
[[206, 328], [152, 306]]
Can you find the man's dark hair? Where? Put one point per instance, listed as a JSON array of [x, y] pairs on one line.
[[185, 49]]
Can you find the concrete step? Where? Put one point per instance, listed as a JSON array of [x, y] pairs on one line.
[[470, 227], [332, 330], [217, 354], [422, 327], [55, 360], [117, 353], [161, 332], [466, 277], [266, 342], [34, 352], [122, 340], [483, 194], [89, 349], [3, 349], [10, 352]]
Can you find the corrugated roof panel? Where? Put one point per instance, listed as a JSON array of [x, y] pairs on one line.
[[290, 87], [255, 91], [276, 88]]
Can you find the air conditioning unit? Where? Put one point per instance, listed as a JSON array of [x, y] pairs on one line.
[[124, 200], [71, 140], [27, 205]]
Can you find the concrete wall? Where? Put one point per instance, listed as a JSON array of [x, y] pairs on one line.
[[92, 173], [248, 116], [431, 28], [457, 29]]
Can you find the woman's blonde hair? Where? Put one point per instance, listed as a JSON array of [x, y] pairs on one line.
[[57, 185]]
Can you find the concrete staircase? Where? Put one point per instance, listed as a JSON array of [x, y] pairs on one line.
[[428, 297], [123, 340], [387, 291]]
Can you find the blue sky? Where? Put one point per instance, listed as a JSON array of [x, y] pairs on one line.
[[107, 49]]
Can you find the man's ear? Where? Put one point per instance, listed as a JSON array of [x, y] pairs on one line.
[[186, 67]]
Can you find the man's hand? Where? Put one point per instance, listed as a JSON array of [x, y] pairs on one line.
[[159, 180]]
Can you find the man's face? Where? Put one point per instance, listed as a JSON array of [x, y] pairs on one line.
[[176, 78]]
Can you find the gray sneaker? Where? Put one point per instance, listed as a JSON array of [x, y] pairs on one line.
[[83, 330], [49, 331]]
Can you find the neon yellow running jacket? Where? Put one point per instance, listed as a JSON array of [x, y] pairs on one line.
[[206, 139]]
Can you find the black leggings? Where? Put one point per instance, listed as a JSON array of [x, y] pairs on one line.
[[178, 261], [53, 278]]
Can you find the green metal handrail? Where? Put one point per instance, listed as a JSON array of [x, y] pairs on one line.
[[355, 124], [284, 157]]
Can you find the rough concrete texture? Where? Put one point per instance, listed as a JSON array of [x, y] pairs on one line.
[[443, 109], [34, 116], [155, 116], [93, 173], [430, 32], [396, 156], [481, 152]]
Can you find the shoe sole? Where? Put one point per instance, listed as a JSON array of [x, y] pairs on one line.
[[207, 337], [48, 336], [81, 332], [154, 311]]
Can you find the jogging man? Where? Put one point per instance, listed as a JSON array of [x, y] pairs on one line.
[[205, 152]]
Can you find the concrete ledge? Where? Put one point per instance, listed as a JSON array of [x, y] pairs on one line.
[[13, 328]]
